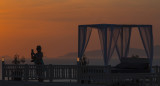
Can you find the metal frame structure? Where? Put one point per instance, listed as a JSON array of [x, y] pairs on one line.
[[115, 36]]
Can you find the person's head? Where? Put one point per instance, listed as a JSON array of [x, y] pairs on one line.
[[39, 48]]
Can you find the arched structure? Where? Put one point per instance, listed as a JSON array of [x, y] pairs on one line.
[[113, 36]]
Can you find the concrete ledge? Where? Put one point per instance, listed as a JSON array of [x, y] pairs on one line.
[[30, 83]]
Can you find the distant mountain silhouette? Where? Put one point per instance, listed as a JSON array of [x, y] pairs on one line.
[[97, 53], [96, 58]]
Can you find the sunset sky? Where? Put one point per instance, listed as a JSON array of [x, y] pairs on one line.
[[53, 24]]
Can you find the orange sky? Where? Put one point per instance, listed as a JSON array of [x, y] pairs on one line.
[[53, 23]]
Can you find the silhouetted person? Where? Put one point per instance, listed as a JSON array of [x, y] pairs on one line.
[[38, 60], [38, 57]]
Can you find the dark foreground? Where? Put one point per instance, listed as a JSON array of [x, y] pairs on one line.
[[30, 83]]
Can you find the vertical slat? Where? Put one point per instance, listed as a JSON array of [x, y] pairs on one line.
[[26, 75], [3, 70]]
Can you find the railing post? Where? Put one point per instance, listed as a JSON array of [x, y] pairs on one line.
[[107, 75], [3, 69], [79, 74], [158, 75], [26, 72], [50, 73]]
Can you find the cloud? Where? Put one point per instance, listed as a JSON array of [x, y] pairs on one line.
[[3, 12]]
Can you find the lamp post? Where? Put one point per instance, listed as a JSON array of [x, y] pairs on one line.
[[2, 59], [3, 73], [78, 61], [78, 69]]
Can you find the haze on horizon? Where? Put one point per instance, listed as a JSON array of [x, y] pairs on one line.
[[53, 24]]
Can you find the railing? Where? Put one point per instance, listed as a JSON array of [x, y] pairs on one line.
[[33, 72], [156, 69], [54, 72], [94, 73], [82, 74]]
